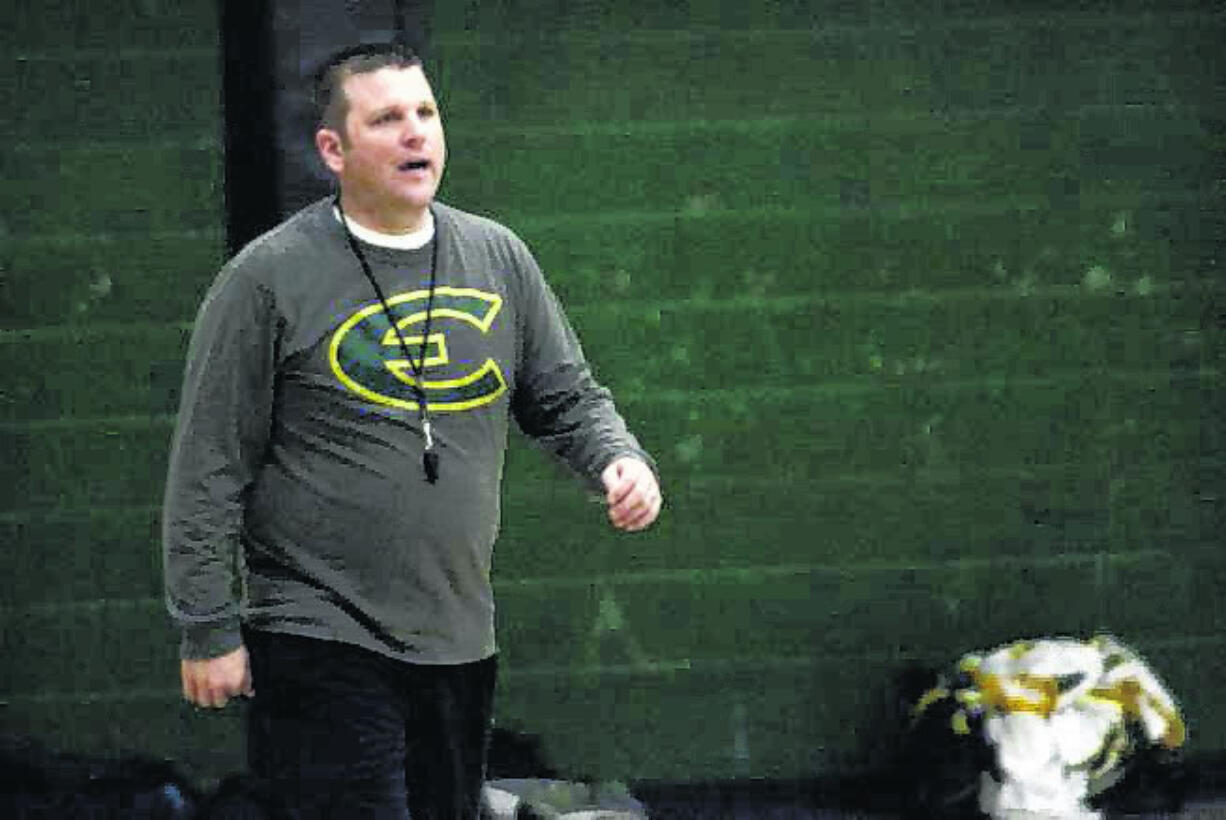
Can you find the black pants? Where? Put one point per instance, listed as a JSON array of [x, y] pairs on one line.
[[338, 731]]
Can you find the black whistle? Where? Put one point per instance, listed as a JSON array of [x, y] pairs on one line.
[[429, 461]]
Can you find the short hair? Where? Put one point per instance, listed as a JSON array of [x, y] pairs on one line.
[[331, 105]]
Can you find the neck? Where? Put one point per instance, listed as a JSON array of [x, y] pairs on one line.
[[383, 220], [399, 241]]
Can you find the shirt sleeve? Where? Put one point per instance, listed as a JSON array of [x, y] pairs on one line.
[[557, 401], [219, 442]]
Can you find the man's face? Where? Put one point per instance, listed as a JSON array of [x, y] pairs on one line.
[[390, 158]]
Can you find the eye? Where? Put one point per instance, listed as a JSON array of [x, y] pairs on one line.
[[385, 117], [426, 112]]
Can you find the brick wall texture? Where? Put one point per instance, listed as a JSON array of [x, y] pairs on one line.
[[918, 305]]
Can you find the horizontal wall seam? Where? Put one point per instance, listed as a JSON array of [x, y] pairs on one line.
[[760, 394], [914, 297], [720, 576], [660, 669], [939, 121], [923, 208], [839, 31], [532, 487], [74, 55]]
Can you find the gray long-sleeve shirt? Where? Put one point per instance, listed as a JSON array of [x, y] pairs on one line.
[[298, 444]]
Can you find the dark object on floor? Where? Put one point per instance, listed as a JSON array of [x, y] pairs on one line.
[[238, 797], [539, 799], [936, 771], [939, 770], [517, 755], [522, 784], [36, 783], [1153, 780]]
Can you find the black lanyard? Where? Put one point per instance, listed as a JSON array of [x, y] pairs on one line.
[[429, 458]]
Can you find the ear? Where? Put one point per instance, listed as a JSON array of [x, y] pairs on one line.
[[328, 143]]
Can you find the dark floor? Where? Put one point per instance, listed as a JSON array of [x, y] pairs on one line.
[[1194, 788], [684, 807], [1200, 811], [1167, 787]]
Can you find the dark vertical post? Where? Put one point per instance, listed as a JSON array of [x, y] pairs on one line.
[[270, 51], [307, 34], [248, 89]]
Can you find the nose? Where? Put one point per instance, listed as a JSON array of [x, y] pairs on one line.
[[414, 132]]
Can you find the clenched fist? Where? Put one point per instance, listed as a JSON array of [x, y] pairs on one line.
[[632, 493], [211, 682]]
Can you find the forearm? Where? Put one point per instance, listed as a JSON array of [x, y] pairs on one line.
[[200, 543], [220, 437], [576, 419], [557, 400]]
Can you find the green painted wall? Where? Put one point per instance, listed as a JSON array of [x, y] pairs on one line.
[[920, 313]]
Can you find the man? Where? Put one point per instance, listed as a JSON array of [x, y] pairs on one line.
[[341, 434]]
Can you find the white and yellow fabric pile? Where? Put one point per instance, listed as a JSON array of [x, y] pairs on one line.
[[1058, 714]]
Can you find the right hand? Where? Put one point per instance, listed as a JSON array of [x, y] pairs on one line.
[[211, 682]]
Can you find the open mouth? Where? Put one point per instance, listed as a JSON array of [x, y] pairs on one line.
[[414, 165]]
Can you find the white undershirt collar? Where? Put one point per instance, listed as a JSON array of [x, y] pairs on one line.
[[397, 241]]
